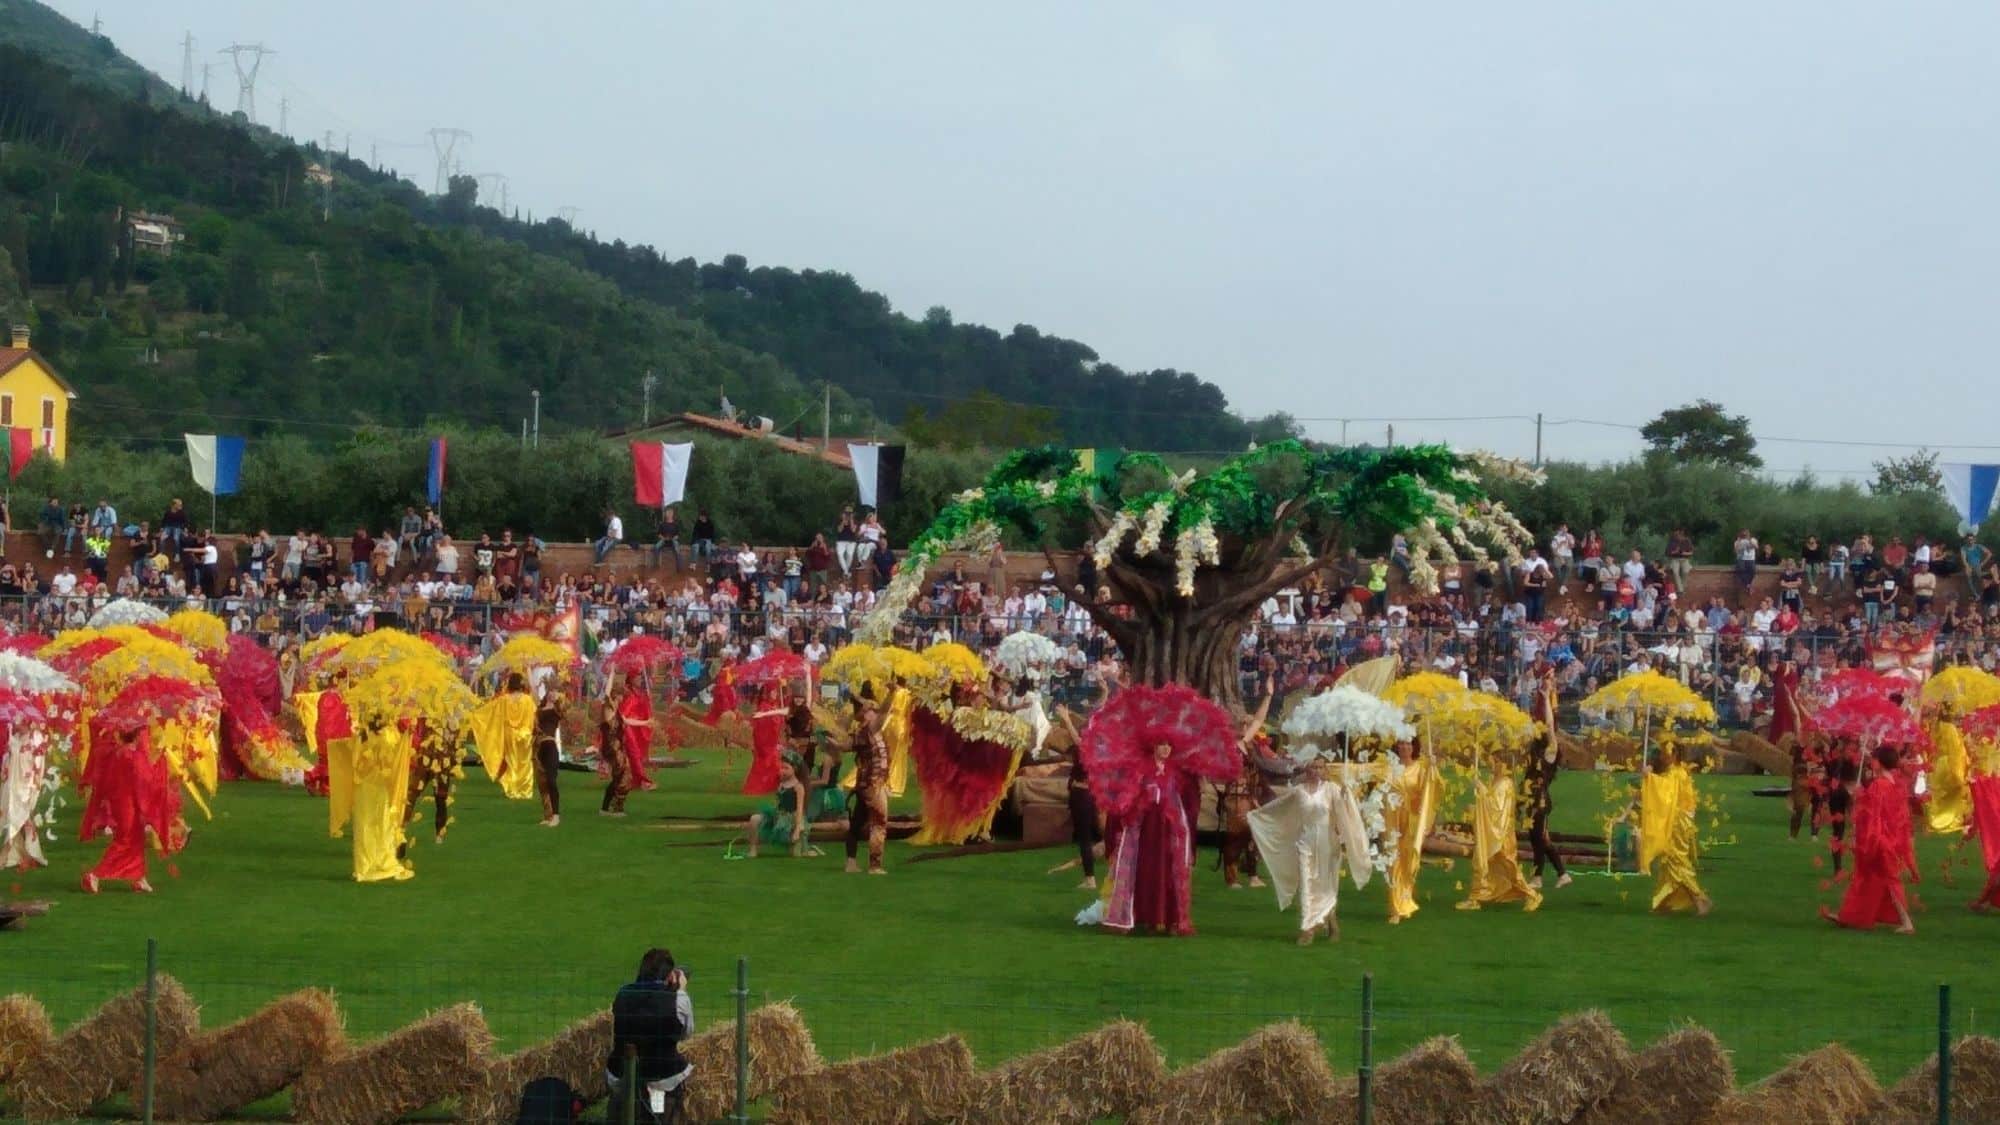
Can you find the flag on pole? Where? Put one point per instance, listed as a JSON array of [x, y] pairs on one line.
[[434, 474], [20, 450], [660, 472], [1970, 488], [878, 472], [216, 462]]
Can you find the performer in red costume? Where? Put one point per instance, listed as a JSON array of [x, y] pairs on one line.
[[1883, 851], [767, 742], [130, 791], [635, 728]]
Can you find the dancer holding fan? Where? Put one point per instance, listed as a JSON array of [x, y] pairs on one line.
[[1147, 750], [1883, 852]]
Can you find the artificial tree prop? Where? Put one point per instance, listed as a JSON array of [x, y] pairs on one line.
[[1193, 556]]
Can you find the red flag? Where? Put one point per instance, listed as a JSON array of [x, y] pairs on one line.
[[21, 450], [648, 474]]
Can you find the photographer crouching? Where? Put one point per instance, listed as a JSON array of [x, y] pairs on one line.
[[649, 1018]]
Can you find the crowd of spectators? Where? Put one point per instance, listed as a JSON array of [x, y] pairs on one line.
[[1571, 602]]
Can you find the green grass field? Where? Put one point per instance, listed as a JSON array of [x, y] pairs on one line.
[[540, 927]]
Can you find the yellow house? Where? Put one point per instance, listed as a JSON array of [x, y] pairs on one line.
[[33, 396]]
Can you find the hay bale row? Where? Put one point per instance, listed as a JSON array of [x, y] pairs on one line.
[[1570, 1066], [442, 1056], [576, 1055], [1109, 1072], [1975, 1086], [1679, 1079], [1827, 1087], [223, 1070], [929, 1082], [781, 1049], [25, 1032], [102, 1054], [1279, 1073], [1430, 1084]]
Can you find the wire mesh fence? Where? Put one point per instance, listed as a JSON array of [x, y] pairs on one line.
[[526, 997]]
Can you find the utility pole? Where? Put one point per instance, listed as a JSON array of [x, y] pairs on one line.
[[443, 141], [205, 68], [1392, 435], [246, 75], [372, 161], [284, 112], [826, 419], [648, 383], [326, 150], [1538, 439], [537, 429], [187, 65]]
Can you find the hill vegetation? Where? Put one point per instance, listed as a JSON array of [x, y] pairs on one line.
[[313, 290]]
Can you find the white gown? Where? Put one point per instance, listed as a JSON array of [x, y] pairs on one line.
[[1302, 835], [23, 768]]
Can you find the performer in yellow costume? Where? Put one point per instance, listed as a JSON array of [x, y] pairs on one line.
[[1496, 860], [504, 730], [1420, 788], [368, 783], [1667, 839], [1949, 810]]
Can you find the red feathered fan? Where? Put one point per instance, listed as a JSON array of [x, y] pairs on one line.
[[645, 653], [453, 651], [154, 699], [1850, 683], [1119, 740], [773, 667], [74, 662], [1868, 718], [25, 644]]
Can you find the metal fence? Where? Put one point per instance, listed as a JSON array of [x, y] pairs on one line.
[[1361, 1021], [1299, 656]]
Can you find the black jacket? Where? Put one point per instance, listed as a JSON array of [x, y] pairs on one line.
[[654, 1018]]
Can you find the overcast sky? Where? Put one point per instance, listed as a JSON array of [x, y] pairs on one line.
[[1591, 210]]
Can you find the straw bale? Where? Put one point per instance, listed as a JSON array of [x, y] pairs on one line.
[[1571, 1065], [781, 1048], [441, 1056], [25, 1032], [104, 1053], [1975, 1086], [1431, 1084], [1279, 1073], [576, 1055], [1678, 1079], [231, 1067], [1827, 1087], [1109, 1072], [907, 1087]]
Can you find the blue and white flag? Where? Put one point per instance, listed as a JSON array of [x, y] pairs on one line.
[[216, 462], [1970, 488]]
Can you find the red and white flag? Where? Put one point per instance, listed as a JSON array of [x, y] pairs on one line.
[[660, 472], [1907, 656]]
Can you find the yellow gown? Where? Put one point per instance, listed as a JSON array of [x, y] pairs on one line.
[[1420, 789], [1496, 863], [368, 783], [1949, 812], [1667, 841], [504, 731]]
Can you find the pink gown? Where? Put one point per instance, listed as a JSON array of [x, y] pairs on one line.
[[1150, 876]]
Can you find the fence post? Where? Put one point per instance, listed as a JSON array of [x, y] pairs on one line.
[[742, 1040], [152, 1044], [1944, 1055], [630, 1115], [1364, 1088]]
